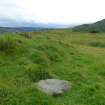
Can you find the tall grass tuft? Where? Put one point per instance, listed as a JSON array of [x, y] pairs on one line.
[[7, 44]]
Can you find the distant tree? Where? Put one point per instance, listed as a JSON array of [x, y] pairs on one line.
[[94, 31]]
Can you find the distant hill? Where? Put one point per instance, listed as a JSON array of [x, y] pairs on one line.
[[93, 28], [8, 25], [20, 29]]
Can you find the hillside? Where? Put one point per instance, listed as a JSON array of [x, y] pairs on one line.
[[95, 27], [61, 54]]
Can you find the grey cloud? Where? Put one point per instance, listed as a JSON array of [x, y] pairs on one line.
[[9, 4]]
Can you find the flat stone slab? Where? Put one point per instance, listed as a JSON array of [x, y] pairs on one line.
[[54, 87]]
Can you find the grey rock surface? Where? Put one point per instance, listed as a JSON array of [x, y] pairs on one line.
[[54, 87]]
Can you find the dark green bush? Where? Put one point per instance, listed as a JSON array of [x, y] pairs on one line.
[[93, 31]]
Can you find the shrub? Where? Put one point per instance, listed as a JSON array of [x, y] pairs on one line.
[[93, 31]]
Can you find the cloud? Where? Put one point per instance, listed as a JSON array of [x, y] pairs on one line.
[[53, 11], [13, 10]]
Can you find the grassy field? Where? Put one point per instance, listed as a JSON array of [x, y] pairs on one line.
[[62, 54]]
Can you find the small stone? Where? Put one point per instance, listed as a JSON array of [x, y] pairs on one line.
[[54, 87]]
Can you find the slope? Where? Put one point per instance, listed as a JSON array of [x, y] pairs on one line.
[[76, 57]]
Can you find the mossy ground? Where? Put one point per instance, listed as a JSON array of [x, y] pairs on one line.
[[62, 54]]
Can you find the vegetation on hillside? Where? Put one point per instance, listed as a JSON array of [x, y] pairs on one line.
[[62, 54], [92, 28]]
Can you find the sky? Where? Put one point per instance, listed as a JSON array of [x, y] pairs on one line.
[[53, 11]]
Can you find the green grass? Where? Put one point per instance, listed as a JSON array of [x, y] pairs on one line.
[[61, 54]]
